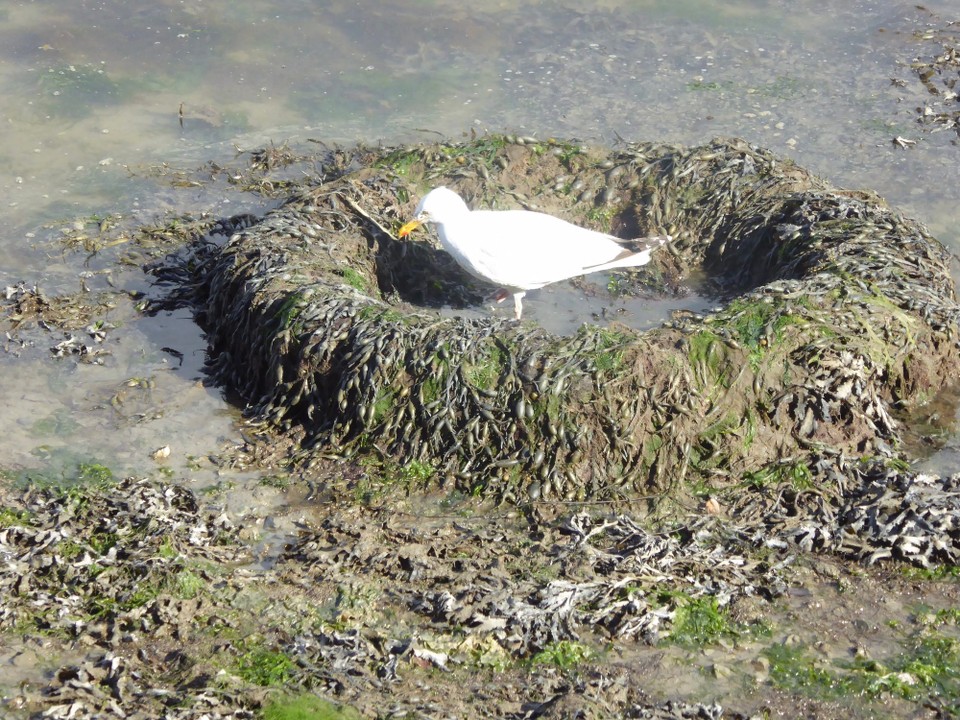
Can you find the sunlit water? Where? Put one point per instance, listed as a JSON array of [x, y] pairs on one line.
[[93, 94]]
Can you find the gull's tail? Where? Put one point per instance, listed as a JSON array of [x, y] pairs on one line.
[[632, 255]]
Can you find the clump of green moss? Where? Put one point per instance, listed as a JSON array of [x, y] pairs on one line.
[[264, 666], [563, 654], [700, 621]]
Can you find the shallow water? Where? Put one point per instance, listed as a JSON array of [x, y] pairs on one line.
[[95, 94], [563, 307]]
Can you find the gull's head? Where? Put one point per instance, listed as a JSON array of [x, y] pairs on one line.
[[440, 205]]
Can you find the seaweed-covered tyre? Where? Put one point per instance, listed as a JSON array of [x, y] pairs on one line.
[[836, 313]]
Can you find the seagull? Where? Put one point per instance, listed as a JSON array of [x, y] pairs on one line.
[[520, 250]]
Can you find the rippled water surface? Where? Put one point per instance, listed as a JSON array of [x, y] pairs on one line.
[[98, 95]]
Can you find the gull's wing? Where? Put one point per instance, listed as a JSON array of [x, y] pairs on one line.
[[522, 249]]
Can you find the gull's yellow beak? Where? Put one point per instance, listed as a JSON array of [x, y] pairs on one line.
[[409, 228]]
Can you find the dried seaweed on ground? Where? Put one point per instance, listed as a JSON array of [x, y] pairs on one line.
[[600, 576], [59, 560], [102, 568], [105, 567]]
